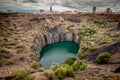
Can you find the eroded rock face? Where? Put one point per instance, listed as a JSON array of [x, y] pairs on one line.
[[118, 26], [113, 48], [44, 40]]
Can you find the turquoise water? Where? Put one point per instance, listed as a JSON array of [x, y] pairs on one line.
[[58, 52]]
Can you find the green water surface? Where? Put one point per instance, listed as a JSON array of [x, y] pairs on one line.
[[58, 52]]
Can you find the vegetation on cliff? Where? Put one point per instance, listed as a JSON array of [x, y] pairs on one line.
[[22, 75], [102, 58], [64, 71], [70, 61]]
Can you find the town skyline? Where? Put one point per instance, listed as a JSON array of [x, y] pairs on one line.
[[59, 5]]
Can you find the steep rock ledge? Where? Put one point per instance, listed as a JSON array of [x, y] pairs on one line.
[[44, 40], [113, 48]]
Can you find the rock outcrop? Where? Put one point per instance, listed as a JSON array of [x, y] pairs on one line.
[[111, 49], [44, 40]]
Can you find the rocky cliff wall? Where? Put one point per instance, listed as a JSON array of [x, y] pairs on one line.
[[112, 49], [43, 40]]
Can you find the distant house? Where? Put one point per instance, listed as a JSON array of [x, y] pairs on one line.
[[69, 12], [51, 10], [8, 11], [94, 9], [42, 11], [108, 10]]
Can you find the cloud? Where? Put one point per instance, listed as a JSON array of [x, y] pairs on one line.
[[61, 5]]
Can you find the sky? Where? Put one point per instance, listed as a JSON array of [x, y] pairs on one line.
[[59, 5]]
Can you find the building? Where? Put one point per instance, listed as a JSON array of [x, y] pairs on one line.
[[8, 11], [51, 9], [42, 11], [108, 10], [94, 9]]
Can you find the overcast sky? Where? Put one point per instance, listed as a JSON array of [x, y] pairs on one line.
[[60, 5]]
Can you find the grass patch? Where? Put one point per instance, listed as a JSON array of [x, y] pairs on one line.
[[93, 78], [62, 21], [9, 62], [3, 50], [19, 46], [69, 61], [100, 23], [13, 43], [35, 65], [112, 78], [1, 63], [50, 74], [86, 32], [71, 26], [54, 66], [19, 50], [79, 66], [5, 39], [81, 55], [21, 57], [32, 55], [89, 46], [22, 75], [102, 58], [64, 71], [8, 47], [105, 40]]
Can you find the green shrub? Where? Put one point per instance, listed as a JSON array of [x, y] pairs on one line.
[[71, 26], [86, 32], [102, 58], [8, 47], [19, 50], [13, 42], [35, 65], [9, 62], [81, 55], [62, 21], [93, 78], [1, 63], [90, 38], [54, 66], [105, 40], [69, 61], [22, 75], [5, 39], [64, 71], [3, 50], [21, 57], [100, 23], [50, 74], [112, 78], [19, 46], [79, 66], [89, 46], [85, 14]]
